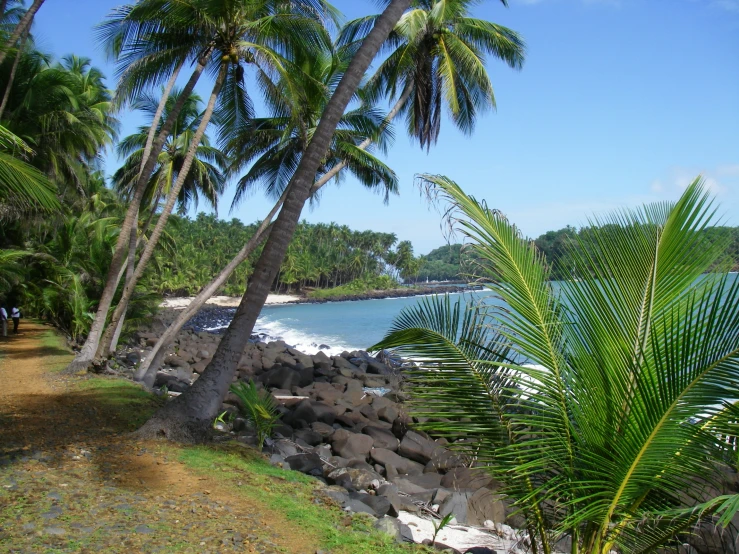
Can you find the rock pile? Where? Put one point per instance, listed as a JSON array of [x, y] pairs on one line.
[[343, 422]]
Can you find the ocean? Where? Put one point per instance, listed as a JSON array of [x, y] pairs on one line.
[[337, 326], [334, 326]]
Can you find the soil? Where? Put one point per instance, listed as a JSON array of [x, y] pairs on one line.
[[73, 479]]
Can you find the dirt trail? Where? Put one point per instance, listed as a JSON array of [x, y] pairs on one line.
[[73, 480]]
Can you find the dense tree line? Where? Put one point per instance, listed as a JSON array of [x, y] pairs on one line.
[[454, 262], [320, 255]]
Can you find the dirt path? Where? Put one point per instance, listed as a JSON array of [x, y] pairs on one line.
[[72, 479]]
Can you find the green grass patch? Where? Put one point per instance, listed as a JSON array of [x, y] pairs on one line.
[[292, 494], [53, 348], [127, 403], [358, 286]]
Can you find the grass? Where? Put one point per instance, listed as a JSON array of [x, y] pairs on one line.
[[358, 286], [293, 495], [239, 472]]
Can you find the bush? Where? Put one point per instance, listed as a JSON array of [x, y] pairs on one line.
[[258, 407]]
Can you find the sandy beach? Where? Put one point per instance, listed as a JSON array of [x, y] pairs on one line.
[[180, 302]]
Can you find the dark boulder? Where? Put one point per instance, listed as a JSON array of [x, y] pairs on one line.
[[382, 437], [310, 464], [351, 445]]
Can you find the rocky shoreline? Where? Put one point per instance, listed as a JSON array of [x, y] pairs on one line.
[[344, 422]]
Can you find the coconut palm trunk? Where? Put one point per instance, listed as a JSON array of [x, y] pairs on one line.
[[13, 71], [133, 242], [188, 417], [89, 349], [148, 369], [23, 25], [120, 310]]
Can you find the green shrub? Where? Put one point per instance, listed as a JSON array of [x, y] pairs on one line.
[[258, 407]]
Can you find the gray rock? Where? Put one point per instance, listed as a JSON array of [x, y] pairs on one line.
[[312, 438], [485, 505], [144, 529], [285, 448], [466, 479], [323, 429], [382, 438], [56, 531], [388, 414], [281, 377], [351, 445], [406, 486], [456, 503], [359, 479], [401, 465], [390, 492], [425, 480], [379, 504], [418, 448], [310, 464], [389, 526], [133, 358]]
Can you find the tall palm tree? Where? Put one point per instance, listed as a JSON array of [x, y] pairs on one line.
[[603, 404], [190, 415], [277, 143], [437, 57], [151, 40], [271, 147], [245, 34]]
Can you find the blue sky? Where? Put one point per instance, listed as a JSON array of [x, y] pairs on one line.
[[620, 102]]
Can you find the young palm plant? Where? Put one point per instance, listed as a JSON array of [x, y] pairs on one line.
[[603, 403]]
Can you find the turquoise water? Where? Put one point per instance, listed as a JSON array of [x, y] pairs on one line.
[[340, 325]]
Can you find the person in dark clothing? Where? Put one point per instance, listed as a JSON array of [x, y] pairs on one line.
[[15, 314]]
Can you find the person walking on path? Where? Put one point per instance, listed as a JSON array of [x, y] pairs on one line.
[[15, 313], [4, 320]]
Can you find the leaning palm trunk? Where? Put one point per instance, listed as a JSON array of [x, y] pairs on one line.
[[85, 357], [619, 430], [149, 367], [13, 72], [23, 26], [147, 371], [120, 310], [188, 417]]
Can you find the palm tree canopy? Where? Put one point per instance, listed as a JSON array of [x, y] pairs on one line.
[[274, 145], [599, 402], [438, 52], [205, 177]]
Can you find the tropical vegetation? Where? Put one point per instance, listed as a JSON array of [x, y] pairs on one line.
[[454, 262], [605, 405]]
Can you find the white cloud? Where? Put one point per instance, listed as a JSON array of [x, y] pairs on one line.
[[719, 181], [728, 5]]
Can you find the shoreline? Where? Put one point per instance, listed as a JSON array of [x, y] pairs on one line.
[[181, 302]]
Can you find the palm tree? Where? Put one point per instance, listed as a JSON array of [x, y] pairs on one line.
[[22, 27], [189, 416], [602, 404], [272, 146], [205, 177], [22, 186], [244, 34], [277, 143], [438, 52]]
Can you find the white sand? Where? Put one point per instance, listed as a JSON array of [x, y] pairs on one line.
[[180, 302]]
